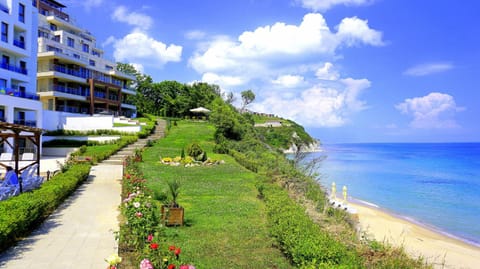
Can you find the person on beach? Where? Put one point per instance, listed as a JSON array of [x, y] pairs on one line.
[[11, 178]]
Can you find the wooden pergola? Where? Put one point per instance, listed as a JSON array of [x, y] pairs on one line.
[[17, 132]]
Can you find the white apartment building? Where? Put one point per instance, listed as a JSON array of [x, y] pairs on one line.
[[18, 65], [73, 75]]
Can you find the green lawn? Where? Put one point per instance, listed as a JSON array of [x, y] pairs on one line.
[[226, 225]]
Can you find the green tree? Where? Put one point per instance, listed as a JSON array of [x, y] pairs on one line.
[[247, 97]]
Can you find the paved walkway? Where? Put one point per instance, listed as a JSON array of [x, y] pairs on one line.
[[80, 233]]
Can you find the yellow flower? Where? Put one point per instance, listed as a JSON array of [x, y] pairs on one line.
[[113, 259]]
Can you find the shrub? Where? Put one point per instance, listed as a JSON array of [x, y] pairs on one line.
[[194, 150]]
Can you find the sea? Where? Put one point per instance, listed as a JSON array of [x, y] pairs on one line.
[[433, 184]]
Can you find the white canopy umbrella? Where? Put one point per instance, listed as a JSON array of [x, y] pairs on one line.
[[200, 110]]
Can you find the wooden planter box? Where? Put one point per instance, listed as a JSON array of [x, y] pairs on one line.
[[172, 216]]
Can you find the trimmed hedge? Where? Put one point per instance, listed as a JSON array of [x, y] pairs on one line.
[[20, 214], [303, 241]]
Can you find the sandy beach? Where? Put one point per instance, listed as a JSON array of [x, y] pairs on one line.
[[438, 249]]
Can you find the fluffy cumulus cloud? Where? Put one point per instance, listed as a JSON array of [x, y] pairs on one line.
[[213, 78], [323, 5], [288, 81], [138, 46], [321, 105], [327, 72], [147, 50], [255, 52], [428, 69], [433, 111]]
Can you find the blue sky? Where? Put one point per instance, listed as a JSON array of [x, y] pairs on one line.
[[347, 70]]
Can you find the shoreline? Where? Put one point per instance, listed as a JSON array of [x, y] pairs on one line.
[[438, 248]]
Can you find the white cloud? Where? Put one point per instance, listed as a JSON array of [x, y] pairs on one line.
[[213, 78], [138, 47], [255, 53], [352, 31], [195, 35], [327, 72], [138, 67], [320, 105], [435, 110], [323, 5], [136, 19], [427, 69], [288, 81]]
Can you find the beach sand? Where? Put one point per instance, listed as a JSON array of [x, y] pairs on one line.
[[436, 248]]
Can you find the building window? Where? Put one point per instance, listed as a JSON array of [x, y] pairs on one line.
[[42, 34], [92, 62], [85, 48], [5, 60], [108, 67], [71, 42], [3, 84], [21, 12], [4, 32], [95, 53], [76, 56], [53, 27], [56, 38]]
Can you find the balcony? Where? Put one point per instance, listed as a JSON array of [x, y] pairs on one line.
[[4, 8], [19, 43], [14, 68], [17, 93], [29, 123], [70, 90], [69, 71]]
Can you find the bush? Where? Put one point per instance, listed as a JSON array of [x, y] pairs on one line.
[[20, 214]]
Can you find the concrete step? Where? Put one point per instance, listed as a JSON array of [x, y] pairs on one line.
[[109, 161]]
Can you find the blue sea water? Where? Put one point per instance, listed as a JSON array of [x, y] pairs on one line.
[[437, 184]]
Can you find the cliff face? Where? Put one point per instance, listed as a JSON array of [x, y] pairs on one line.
[[311, 147]]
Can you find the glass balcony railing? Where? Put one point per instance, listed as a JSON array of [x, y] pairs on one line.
[[19, 43], [29, 123], [70, 90], [17, 93], [14, 68]]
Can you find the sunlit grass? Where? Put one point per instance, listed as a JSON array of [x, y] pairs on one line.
[[226, 225]]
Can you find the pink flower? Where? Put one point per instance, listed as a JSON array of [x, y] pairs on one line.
[[146, 264], [184, 266], [150, 238], [139, 214]]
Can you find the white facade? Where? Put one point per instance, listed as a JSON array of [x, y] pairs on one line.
[[72, 74], [18, 64]]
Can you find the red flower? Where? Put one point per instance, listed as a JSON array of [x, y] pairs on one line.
[[153, 245], [171, 266], [171, 248], [128, 176], [177, 251]]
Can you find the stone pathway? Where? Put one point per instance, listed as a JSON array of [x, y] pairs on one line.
[[80, 233]]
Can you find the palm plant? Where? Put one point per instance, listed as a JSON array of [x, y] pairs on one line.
[[174, 188]]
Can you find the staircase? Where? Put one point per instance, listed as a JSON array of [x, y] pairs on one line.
[[119, 157]]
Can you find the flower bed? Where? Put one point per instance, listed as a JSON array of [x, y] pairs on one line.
[[141, 235]]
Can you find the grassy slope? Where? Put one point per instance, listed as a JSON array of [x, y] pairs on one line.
[[226, 223]]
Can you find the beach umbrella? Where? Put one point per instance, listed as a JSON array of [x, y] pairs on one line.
[[334, 190], [200, 110]]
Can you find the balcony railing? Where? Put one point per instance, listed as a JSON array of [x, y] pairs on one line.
[[70, 90], [4, 38], [30, 123], [19, 43], [14, 68], [4, 8], [17, 93], [69, 71]]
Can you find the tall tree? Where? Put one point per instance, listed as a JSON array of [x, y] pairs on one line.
[[247, 97]]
